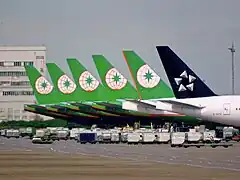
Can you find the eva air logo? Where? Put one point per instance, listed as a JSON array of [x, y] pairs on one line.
[[146, 77], [43, 86], [88, 82], [185, 82], [66, 85], [115, 80]]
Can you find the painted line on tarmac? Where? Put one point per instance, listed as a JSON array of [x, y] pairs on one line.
[[157, 161], [164, 162]]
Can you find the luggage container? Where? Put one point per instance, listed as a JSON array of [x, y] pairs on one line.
[[74, 133], [124, 137], [40, 132], [164, 130], [192, 130], [210, 136], [3, 132], [87, 137], [193, 137], [148, 138], [177, 139], [62, 135], [29, 131], [99, 136], [103, 137], [134, 138], [227, 133], [48, 132], [162, 137], [12, 133], [202, 128], [115, 137], [53, 130], [219, 132], [22, 131], [106, 137]]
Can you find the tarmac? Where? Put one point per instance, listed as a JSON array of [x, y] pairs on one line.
[[167, 159]]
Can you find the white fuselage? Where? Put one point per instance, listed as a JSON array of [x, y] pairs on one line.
[[219, 109]]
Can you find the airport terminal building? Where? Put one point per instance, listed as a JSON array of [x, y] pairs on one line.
[[15, 88]]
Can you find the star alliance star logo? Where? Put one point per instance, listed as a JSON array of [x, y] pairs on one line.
[[189, 86]]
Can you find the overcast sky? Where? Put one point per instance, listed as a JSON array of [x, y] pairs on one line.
[[199, 31]]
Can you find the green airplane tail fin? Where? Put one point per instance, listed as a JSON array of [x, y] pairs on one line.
[[113, 80], [64, 85], [89, 86], [147, 82], [42, 88]]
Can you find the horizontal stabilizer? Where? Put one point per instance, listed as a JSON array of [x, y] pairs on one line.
[[185, 105]]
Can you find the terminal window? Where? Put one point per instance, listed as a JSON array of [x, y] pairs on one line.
[[20, 83], [17, 63], [1, 63], [17, 111], [4, 83], [15, 83], [30, 63], [17, 93], [16, 117], [13, 73], [39, 57]]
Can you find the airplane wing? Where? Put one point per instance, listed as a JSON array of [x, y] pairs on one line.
[[144, 104], [185, 105]]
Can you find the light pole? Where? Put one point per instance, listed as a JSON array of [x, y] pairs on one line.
[[232, 49]]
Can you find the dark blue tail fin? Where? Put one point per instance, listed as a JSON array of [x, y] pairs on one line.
[[185, 83]]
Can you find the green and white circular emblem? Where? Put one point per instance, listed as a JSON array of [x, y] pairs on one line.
[[43, 86], [88, 82], [115, 80], [66, 85], [146, 77]]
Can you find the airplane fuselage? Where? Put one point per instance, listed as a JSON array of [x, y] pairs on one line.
[[219, 109]]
